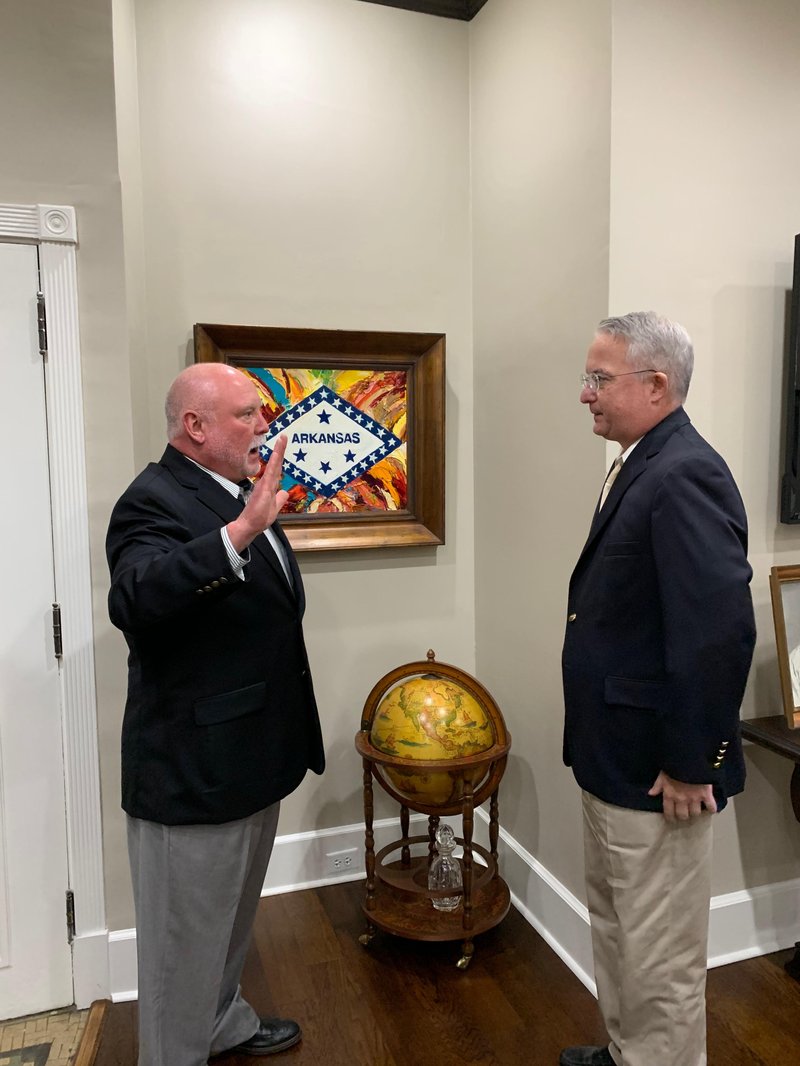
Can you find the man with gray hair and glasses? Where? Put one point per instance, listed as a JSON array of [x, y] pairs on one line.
[[659, 639]]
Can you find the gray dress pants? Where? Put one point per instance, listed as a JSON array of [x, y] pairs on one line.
[[195, 889]]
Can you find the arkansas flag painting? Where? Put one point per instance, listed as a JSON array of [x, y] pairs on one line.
[[346, 433]]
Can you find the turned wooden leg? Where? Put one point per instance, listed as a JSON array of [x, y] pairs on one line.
[[369, 839], [433, 825], [405, 854], [494, 828], [466, 862]]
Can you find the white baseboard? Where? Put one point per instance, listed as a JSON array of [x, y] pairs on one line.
[[754, 922], [300, 860], [743, 924], [557, 915], [90, 959], [122, 967]]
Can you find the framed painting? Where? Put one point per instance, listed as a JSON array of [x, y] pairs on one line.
[[364, 414], [784, 584]]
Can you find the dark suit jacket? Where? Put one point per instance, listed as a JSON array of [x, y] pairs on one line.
[[220, 719], [660, 628]]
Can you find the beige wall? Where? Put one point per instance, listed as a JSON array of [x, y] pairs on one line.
[[540, 75], [308, 162], [58, 134], [305, 163], [624, 155], [705, 201]]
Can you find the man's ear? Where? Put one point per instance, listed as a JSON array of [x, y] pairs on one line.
[[193, 427], [659, 386]]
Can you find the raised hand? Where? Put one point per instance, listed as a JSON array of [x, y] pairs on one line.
[[265, 503]]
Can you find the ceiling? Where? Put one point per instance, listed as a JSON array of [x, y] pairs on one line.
[[451, 9]]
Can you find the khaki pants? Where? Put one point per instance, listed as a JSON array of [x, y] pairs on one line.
[[648, 888]]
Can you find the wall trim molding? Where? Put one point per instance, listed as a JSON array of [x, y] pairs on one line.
[[743, 924], [54, 229], [38, 222], [754, 921], [557, 915]]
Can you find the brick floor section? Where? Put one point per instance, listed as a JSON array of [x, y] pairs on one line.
[[60, 1029]]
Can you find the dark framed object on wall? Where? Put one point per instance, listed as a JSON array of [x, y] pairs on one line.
[[364, 414], [784, 585], [454, 9], [790, 481]]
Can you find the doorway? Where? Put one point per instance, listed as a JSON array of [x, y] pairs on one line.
[[35, 956]]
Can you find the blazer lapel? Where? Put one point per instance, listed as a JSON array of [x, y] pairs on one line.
[[631, 469], [262, 545], [208, 491], [212, 495], [294, 569], [649, 446]]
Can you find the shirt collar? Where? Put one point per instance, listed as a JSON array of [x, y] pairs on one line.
[[624, 456], [229, 486]]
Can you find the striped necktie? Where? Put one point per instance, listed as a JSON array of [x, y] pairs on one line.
[[610, 479], [246, 486]]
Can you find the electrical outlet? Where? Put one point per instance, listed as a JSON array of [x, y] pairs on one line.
[[340, 862]]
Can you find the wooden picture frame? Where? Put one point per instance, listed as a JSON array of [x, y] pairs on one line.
[[784, 586], [393, 497]]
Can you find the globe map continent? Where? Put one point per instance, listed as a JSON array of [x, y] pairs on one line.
[[431, 718]]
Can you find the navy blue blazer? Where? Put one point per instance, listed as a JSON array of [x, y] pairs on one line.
[[220, 719], [660, 628]]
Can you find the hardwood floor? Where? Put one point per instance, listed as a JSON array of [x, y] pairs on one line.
[[402, 1003]]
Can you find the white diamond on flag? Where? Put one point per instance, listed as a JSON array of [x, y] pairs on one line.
[[330, 441]]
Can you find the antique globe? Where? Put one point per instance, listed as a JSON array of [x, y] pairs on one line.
[[435, 740], [434, 736]]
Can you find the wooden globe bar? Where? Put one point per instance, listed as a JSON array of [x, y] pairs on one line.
[[398, 899]]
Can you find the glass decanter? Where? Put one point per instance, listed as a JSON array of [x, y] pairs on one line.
[[445, 870]]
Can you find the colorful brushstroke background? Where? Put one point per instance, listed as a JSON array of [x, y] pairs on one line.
[[381, 394]]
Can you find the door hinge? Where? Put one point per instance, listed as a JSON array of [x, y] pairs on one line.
[[41, 321], [57, 645], [70, 915]]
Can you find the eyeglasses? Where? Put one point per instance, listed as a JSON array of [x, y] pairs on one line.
[[596, 382]]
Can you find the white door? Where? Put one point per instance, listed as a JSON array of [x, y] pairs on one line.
[[35, 956]]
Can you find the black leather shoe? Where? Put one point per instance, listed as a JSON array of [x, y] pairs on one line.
[[273, 1035], [585, 1056]]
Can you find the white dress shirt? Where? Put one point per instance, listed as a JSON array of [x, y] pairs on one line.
[[237, 561]]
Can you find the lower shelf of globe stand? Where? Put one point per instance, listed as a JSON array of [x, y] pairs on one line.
[[410, 913]]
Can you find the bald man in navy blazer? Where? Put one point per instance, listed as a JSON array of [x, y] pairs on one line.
[[658, 644], [220, 722]]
